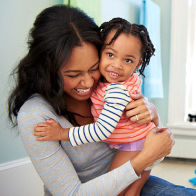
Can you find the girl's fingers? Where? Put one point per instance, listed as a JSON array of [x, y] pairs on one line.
[[41, 138], [40, 129], [50, 121], [39, 133], [42, 124]]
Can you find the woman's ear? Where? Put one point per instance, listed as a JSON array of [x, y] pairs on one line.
[[138, 65]]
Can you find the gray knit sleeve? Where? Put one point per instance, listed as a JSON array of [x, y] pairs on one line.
[[56, 168]]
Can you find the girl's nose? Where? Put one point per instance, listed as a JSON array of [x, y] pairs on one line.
[[117, 64]]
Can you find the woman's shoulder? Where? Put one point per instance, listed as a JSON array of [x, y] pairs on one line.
[[35, 103], [36, 108]]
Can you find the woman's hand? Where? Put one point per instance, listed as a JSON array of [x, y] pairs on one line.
[[145, 111], [158, 144]]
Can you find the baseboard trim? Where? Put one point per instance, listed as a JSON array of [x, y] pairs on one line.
[[13, 164]]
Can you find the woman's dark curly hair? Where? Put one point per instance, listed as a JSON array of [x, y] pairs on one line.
[[139, 31], [56, 31]]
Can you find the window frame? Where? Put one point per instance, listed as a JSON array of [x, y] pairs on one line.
[[178, 57], [184, 132]]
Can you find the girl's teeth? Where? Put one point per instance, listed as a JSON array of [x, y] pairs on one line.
[[83, 90], [114, 74]]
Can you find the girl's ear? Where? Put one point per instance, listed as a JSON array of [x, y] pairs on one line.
[[138, 65]]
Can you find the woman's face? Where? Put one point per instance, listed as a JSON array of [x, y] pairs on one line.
[[81, 73]]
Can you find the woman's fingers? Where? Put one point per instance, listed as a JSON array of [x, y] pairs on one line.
[[162, 138], [136, 96], [145, 111], [142, 115], [140, 118]]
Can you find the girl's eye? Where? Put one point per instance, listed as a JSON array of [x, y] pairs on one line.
[[128, 60], [110, 54]]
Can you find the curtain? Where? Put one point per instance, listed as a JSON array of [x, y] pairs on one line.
[[150, 17]]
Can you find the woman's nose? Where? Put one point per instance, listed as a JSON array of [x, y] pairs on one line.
[[87, 81]]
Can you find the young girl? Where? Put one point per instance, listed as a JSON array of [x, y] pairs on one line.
[[127, 47]]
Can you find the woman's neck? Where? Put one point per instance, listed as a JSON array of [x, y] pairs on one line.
[[82, 108]]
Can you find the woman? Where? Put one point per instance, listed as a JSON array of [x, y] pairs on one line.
[[55, 80]]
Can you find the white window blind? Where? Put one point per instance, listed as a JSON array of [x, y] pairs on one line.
[[190, 106]]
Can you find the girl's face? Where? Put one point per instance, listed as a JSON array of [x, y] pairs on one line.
[[81, 73], [120, 59]]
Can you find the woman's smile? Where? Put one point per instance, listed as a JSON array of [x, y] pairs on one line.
[[84, 92], [81, 73]]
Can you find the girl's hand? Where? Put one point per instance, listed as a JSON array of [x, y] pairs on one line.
[[145, 111], [50, 130]]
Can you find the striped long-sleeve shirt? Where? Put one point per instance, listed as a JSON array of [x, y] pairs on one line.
[[109, 101], [67, 170]]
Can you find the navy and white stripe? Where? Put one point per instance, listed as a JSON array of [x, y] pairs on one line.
[[116, 98]]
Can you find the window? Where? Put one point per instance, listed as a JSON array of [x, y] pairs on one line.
[[182, 61], [181, 90], [190, 98]]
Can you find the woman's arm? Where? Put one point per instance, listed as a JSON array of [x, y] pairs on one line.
[[55, 167], [57, 171]]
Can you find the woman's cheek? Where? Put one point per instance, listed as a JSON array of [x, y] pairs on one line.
[[97, 75], [70, 84]]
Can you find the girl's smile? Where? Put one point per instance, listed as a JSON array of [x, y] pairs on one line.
[[120, 59]]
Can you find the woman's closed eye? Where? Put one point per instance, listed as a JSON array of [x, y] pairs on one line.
[[73, 76], [95, 69]]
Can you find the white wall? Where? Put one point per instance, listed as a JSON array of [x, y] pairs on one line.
[[127, 9], [20, 180], [16, 18]]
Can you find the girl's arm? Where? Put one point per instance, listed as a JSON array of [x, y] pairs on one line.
[[116, 98]]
